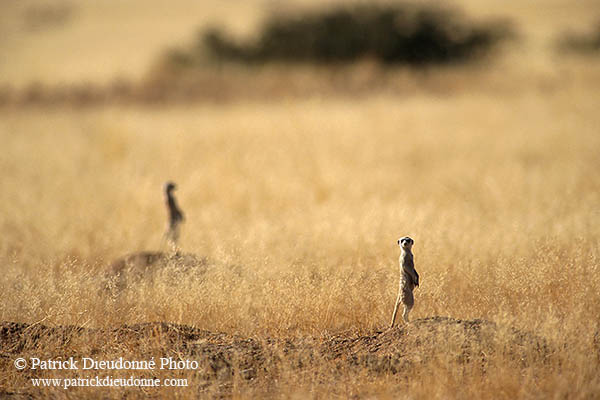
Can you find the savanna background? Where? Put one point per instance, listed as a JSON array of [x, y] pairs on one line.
[[296, 180]]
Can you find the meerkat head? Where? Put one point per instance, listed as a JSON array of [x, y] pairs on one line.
[[170, 186], [405, 243]]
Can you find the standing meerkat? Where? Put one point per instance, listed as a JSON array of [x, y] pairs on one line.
[[137, 266], [175, 215], [409, 279]]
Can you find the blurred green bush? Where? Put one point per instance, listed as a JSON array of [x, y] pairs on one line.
[[586, 43], [400, 34]]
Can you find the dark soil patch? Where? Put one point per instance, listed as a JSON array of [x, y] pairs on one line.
[[224, 358]]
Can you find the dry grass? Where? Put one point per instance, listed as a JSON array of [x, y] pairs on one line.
[[301, 200]]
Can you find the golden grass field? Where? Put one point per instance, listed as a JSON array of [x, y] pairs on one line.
[[492, 170]]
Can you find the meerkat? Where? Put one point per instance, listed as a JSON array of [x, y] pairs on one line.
[[176, 216], [137, 266], [409, 279]]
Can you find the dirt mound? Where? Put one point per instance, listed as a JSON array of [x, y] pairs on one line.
[[437, 339], [221, 356], [145, 266]]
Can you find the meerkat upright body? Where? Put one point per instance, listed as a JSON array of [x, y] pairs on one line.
[[409, 279], [175, 215]]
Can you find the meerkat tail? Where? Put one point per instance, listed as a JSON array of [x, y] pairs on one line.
[[394, 315], [405, 313], [395, 311]]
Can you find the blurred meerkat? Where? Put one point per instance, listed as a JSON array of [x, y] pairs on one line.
[[139, 265], [176, 216], [409, 279]]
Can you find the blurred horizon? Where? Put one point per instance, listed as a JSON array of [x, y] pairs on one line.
[[67, 42]]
